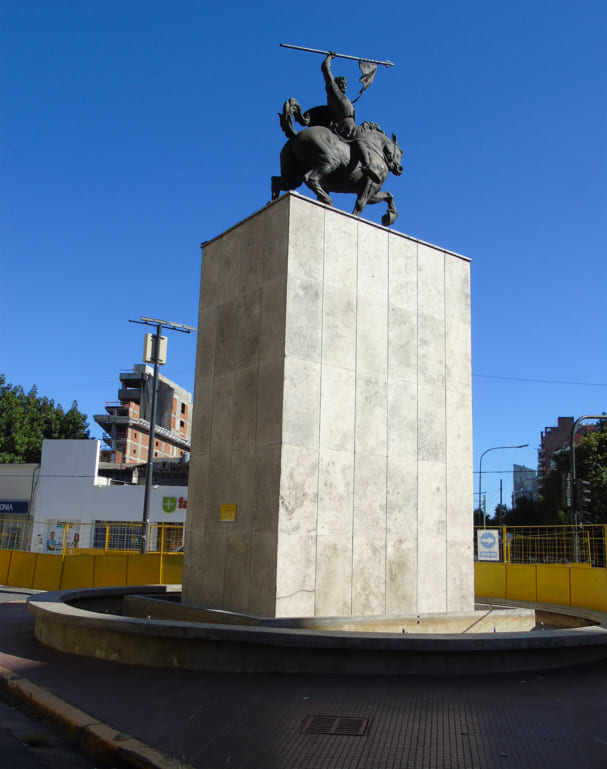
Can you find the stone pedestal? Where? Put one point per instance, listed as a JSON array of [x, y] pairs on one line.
[[332, 408]]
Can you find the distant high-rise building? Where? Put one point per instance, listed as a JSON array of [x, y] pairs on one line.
[[127, 421], [523, 482]]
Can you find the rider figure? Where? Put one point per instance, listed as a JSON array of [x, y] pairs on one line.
[[343, 116]]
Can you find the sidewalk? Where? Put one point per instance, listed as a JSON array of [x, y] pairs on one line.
[[552, 720]]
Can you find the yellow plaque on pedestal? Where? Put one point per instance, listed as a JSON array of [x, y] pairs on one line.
[[227, 513]]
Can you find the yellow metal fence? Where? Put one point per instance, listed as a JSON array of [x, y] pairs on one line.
[[59, 537], [535, 545]]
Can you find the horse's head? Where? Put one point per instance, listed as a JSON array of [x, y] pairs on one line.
[[393, 155]]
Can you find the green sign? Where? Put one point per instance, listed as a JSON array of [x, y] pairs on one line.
[[169, 504]]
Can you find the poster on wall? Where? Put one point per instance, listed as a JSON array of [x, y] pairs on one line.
[[60, 536]]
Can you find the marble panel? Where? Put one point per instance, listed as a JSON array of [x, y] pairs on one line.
[[267, 489], [198, 488], [242, 487], [262, 575], [211, 590], [298, 491], [276, 238], [252, 254], [226, 340], [431, 277], [205, 348], [270, 403], [460, 575], [432, 544], [236, 579], [301, 403], [244, 426], [457, 290], [431, 351], [228, 279], [402, 344], [369, 576], [333, 576], [339, 326], [458, 357], [459, 514], [295, 576], [201, 415], [431, 409], [459, 429], [402, 535], [337, 408], [335, 492], [372, 336], [402, 286], [273, 315], [341, 251], [211, 257], [249, 328], [370, 482], [306, 240], [402, 418], [373, 264], [401, 575], [371, 414], [223, 414], [219, 490], [304, 318]]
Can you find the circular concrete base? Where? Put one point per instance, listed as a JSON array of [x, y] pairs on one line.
[[90, 623]]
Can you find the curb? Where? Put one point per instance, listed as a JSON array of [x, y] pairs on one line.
[[95, 737]]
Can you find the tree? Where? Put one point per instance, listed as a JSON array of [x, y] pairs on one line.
[[26, 419], [591, 466]]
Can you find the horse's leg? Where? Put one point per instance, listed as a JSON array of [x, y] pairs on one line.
[[312, 180], [392, 214], [364, 196]]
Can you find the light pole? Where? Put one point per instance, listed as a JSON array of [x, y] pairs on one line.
[[158, 358], [480, 473]]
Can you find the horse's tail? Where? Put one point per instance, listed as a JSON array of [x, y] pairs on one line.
[[291, 109]]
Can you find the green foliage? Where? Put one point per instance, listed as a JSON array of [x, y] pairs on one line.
[[26, 419], [590, 465]]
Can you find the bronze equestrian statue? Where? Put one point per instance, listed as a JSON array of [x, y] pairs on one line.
[[333, 154]]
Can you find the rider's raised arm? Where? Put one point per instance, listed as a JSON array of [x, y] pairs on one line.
[[325, 68]]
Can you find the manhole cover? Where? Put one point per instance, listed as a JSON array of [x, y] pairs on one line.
[[354, 727]]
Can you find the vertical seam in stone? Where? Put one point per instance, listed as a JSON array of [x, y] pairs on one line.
[[386, 560], [446, 498], [322, 321], [417, 427], [356, 295]]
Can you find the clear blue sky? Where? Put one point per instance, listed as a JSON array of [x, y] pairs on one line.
[[132, 131]]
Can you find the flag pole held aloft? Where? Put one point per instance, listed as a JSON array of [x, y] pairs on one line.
[[338, 55]]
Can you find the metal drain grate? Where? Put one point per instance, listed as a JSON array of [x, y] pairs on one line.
[[352, 727]]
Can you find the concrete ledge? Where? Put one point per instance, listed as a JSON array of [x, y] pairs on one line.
[[224, 647]]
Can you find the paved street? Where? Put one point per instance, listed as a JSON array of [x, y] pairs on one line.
[[553, 720]]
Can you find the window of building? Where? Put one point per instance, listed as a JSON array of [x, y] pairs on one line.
[[181, 423], [184, 408]]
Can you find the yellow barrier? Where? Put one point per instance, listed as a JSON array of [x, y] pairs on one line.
[[573, 585]]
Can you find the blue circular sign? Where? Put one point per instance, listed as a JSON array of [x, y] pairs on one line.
[[488, 539]]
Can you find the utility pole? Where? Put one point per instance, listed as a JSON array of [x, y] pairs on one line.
[[154, 352]]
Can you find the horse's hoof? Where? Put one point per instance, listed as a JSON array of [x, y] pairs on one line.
[[388, 219]]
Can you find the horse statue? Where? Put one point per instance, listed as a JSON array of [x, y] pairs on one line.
[[327, 162]]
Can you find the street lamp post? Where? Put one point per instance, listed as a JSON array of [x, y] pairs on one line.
[[480, 473], [156, 359]]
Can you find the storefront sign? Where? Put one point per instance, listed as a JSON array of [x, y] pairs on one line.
[[14, 506]]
